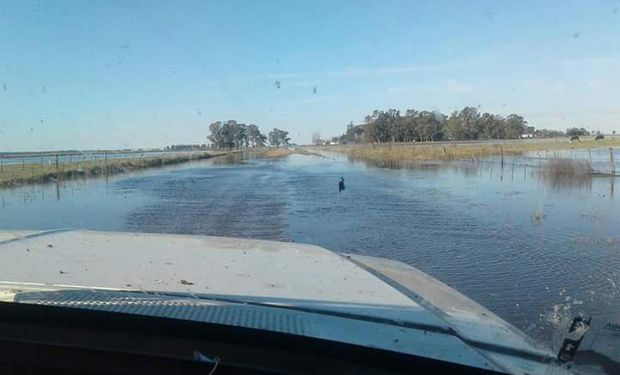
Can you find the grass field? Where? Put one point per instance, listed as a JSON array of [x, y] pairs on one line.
[[20, 174], [272, 153], [461, 150]]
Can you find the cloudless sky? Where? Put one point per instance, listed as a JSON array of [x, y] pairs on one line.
[[115, 74]]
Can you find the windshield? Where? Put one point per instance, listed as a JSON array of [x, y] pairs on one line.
[[474, 141]]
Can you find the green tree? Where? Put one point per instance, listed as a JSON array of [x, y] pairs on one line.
[[232, 134], [466, 124], [469, 118], [215, 129], [377, 127], [227, 134], [454, 130], [429, 126], [256, 138], [515, 126], [239, 137], [278, 137]]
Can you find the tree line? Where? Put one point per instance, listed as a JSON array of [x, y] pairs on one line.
[[422, 126], [235, 135]]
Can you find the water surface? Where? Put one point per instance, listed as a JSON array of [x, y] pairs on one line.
[[533, 251]]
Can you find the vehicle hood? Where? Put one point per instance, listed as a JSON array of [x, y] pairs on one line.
[[283, 286]]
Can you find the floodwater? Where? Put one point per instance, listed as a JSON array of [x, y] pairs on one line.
[[533, 250]]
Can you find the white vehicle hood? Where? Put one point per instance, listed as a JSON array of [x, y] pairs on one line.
[[402, 308]]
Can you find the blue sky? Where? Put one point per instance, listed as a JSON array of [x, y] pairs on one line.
[[113, 74]]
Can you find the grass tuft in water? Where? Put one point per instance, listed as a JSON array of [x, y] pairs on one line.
[[563, 167]]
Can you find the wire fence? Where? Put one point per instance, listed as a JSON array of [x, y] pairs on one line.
[[57, 160]]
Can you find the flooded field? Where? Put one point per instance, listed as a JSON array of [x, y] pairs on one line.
[[536, 251]]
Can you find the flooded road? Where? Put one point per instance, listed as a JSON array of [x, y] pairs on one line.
[[533, 251]]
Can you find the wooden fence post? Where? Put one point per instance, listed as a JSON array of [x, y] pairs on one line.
[[501, 149]]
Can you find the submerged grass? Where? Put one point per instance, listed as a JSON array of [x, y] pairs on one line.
[[563, 167], [461, 150], [281, 152], [274, 153], [22, 174], [562, 173]]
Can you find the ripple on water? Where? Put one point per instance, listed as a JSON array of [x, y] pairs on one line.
[[474, 232]]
